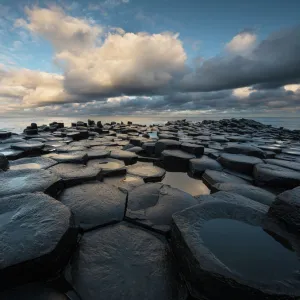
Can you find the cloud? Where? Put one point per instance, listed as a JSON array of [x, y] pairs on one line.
[[275, 60], [62, 31], [241, 43]]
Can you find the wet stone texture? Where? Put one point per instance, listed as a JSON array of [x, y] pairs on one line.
[[122, 262], [95, 204], [286, 208], [28, 181], [147, 171], [37, 237], [225, 247], [73, 174], [223, 195], [152, 205]]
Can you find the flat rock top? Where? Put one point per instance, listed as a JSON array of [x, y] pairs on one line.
[[249, 191], [26, 181], [147, 171], [239, 158], [153, 204], [177, 154], [68, 157], [121, 262], [32, 163], [106, 164], [95, 204], [27, 145], [31, 226], [212, 177], [283, 163]]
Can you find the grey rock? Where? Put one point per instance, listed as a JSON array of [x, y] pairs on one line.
[[147, 171], [32, 163], [94, 204], [108, 166], [176, 160], [121, 262]]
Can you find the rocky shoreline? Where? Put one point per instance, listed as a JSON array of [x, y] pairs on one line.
[[85, 212]]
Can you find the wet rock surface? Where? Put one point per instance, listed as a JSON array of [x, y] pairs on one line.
[[94, 204], [101, 174], [113, 260], [249, 191], [226, 246], [153, 204], [37, 237], [29, 181], [147, 171]]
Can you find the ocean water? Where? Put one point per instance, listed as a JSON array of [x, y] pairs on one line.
[[18, 124]]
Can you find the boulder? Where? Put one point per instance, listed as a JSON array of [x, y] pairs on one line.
[[152, 205], [122, 262], [94, 204], [37, 237]]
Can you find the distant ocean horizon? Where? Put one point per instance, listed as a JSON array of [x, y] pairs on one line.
[[17, 124]]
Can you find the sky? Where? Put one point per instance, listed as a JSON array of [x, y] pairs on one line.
[[158, 57]]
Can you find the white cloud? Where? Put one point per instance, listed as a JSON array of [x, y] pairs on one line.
[[241, 43], [243, 92], [292, 87], [63, 31]]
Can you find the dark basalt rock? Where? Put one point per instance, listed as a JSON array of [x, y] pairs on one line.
[[287, 208], [70, 148], [129, 158], [11, 154], [73, 174], [147, 171], [227, 247], [73, 157], [95, 154], [4, 164], [141, 268], [4, 135], [33, 291], [164, 136], [197, 166], [149, 148], [246, 150], [38, 235], [153, 204], [249, 191], [108, 166], [135, 149], [32, 163], [95, 204], [164, 144], [28, 147], [176, 160], [275, 176], [239, 163], [28, 181], [270, 148], [124, 183], [291, 152], [211, 177], [283, 163], [195, 149]]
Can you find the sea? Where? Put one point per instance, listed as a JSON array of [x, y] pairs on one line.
[[17, 124]]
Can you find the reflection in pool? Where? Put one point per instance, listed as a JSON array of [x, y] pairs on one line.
[[185, 183], [249, 250]]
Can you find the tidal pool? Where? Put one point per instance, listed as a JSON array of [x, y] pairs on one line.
[[249, 250]]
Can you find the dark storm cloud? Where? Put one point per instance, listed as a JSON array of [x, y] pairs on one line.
[[275, 61]]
